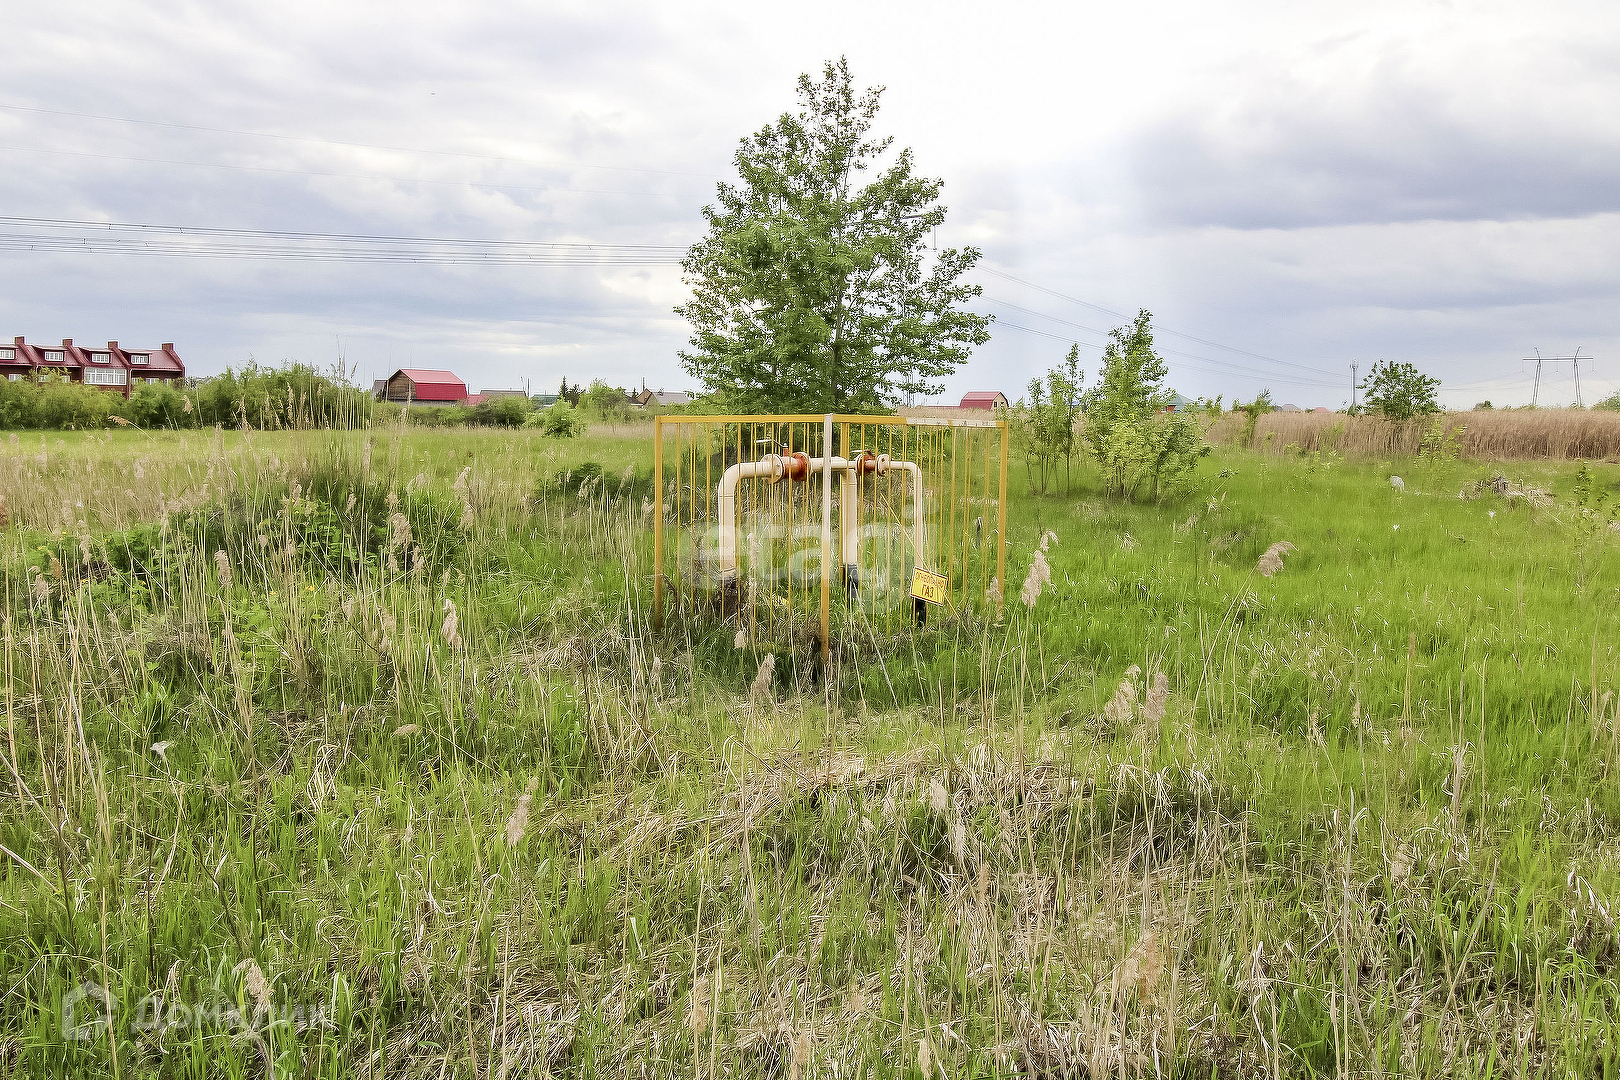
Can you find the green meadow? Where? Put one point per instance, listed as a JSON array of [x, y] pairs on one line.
[[335, 754]]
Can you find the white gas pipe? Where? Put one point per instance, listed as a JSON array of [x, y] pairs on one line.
[[775, 467]]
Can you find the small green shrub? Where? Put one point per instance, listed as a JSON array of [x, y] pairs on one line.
[[502, 412], [561, 421]]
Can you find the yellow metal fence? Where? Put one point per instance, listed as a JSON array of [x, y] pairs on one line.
[[754, 522]]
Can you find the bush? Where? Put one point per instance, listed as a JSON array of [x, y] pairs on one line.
[[58, 404], [437, 416], [605, 402], [160, 406], [502, 412], [294, 396], [1612, 403], [561, 421]]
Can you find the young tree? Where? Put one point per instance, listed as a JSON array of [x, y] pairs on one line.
[[1139, 447], [1252, 412], [1043, 426], [1400, 391], [606, 402], [810, 293], [1130, 386]]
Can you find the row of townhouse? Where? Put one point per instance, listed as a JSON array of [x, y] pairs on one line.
[[112, 368]]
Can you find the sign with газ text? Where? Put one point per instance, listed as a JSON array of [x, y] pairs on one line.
[[929, 586]]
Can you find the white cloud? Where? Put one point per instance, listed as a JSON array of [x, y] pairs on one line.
[[1426, 181]]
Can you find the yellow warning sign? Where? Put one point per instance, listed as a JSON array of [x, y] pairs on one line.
[[927, 585]]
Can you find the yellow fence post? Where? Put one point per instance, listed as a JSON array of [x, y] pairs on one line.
[[658, 522], [1001, 527]]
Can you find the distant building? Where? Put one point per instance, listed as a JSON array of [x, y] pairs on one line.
[[1288, 408], [112, 368], [659, 397], [1177, 403], [423, 386], [983, 399], [489, 395]]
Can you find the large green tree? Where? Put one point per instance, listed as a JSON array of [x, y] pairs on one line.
[[814, 291], [1400, 391]]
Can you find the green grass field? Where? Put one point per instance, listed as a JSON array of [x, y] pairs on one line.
[[405, 783]]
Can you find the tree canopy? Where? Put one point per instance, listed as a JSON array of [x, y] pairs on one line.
[[815, 292], [1399, 391]]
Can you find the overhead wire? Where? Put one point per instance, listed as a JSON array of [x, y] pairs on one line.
[[128, 238], [1161, 329], [1226, 367]]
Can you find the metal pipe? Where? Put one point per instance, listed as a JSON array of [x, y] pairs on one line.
[[826, 537], [800, 466], [772, 466], [919, 531]]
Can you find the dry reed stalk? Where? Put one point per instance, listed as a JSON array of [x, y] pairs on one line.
[[1040, 573], [762, 679], [1122, 706], [518, 823], [257, 987], [448, 629], [1142, 968], [1158, 694], [1272, 560]]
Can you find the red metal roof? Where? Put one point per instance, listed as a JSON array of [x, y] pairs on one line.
[[433, 385], [983, 399], [162, 362]]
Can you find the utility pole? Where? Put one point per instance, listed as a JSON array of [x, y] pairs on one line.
[[1535, 394], [1354, 369]]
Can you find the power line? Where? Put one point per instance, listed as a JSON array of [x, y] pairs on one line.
[[1162, 329], [183, 241], [1229, 368]]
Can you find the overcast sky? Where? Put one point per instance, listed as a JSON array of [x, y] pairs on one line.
[[1288, 187]]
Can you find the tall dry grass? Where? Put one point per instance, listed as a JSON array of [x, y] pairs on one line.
[[1567, 434]]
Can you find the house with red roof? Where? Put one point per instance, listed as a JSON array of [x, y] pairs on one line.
[[112, 368], [983, 399], [422, 386]]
